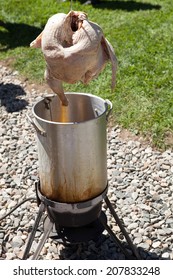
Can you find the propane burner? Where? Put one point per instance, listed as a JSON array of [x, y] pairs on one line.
[[72, 214], [73, 235], [75, 222]]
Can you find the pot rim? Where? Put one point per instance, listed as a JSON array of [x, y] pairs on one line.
[[72, 123]]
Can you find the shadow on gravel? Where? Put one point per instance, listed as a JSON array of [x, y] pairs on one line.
[[9, 94], [103, 249]]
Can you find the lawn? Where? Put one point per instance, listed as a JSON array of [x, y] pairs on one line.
[[141, 33]]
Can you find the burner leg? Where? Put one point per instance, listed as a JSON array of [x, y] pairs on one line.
[[115, 239], [122, 228], [48, 229], [31, 238]]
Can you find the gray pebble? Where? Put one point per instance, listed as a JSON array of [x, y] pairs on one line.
[[165, 255], [17, 241]]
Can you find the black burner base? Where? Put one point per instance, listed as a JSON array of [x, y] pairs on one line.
[[88, 227], [68, 219], [74, 235]]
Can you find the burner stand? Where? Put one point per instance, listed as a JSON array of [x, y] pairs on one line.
[[83, 221], [75, 235]]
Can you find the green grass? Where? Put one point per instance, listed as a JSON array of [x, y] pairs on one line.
[[141, 33]]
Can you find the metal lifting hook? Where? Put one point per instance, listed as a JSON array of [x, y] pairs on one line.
[[71, 3]]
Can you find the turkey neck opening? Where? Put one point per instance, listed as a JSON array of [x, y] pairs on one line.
[[74, 23]]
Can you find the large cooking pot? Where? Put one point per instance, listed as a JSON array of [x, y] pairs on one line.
[[72, 150]]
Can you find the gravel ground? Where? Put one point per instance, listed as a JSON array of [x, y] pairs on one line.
[[140, 187]]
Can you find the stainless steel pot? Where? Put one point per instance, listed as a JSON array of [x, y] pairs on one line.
[[72, 148]]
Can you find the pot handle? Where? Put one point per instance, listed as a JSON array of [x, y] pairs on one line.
[[36, 126], [109, 105]]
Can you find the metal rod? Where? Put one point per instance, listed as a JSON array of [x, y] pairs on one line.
[[43, 240], [47, 101], [33, 232], [122, 228]]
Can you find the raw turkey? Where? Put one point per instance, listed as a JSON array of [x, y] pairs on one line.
[[74, 49]]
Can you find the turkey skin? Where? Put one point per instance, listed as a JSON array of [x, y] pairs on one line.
[[74, 49]]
